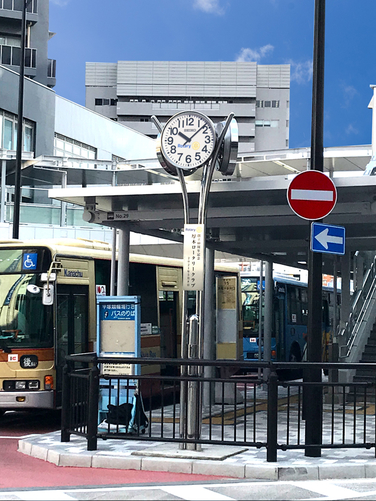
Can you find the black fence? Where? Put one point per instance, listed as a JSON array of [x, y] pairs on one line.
[[228, 404]]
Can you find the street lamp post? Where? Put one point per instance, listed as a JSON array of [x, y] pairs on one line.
[[17, 180]]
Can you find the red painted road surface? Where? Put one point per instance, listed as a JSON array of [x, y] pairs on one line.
[[21, 471]]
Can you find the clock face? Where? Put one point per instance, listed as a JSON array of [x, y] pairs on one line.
[[188, 140]]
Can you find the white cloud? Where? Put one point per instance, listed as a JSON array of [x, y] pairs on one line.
[[209, 6], [350, 129], [301, 72], [254, 54], [60, 3], [349, 92]]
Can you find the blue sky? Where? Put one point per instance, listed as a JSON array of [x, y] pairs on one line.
[[266, 31]]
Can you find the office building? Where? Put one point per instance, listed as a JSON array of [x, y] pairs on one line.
[[132, 91]]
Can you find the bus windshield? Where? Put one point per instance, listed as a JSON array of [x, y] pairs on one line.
[[25, 322]]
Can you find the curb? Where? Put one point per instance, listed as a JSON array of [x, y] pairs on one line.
[[269, 471]]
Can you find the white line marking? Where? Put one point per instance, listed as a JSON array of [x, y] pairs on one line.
[[195, 492], [330, 491], [317, 195], [48, 495]]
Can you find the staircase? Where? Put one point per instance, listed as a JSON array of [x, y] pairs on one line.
[[369, 355], [359, 335]]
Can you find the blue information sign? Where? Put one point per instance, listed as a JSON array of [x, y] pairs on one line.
[[118, 335], [327, 238]]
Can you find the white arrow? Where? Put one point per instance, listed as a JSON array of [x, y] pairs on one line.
[[324, 239]]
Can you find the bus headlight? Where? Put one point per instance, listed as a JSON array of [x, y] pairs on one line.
[[20, 385]]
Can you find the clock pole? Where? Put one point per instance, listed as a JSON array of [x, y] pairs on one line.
[[177, 162]]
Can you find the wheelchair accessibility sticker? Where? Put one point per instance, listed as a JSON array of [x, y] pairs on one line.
[[30, 261]]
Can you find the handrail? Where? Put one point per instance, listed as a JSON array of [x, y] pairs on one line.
[[360, 307]]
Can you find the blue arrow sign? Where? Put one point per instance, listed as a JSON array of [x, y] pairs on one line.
[[327, 238]]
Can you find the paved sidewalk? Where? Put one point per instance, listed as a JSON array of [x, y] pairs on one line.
[[236, 462], [227, 461]]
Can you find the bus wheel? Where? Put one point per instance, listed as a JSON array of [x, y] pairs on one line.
[[295, 354], [2, 413]]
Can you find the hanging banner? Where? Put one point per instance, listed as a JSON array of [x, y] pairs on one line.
[[194, 257]]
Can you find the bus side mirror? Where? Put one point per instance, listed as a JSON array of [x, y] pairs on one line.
[[48, 294]]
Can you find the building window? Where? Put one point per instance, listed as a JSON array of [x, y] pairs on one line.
[[67, 147], [8, 138], [98, 102], [106, 102], [16, 5], [267, 104], [8, 135], [113, 102], [275, 104], [28, 138], [267, 123]]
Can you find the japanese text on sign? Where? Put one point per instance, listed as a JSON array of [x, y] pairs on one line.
[[194, 255], [118, 311]]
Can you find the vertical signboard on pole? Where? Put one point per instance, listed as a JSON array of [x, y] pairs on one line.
[[194, 257], [118, 335]]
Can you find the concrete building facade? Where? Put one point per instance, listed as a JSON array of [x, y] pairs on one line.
[[132, 91], [38, 66]]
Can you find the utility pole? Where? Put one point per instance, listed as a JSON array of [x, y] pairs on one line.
[[17, 179], [313, 395]]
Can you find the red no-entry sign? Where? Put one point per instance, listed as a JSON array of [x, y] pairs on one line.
[[312, 195]]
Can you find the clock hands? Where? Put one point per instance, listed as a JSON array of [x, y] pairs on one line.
[[197, 131], [184, 137]]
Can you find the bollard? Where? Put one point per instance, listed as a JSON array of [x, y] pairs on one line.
[[92, 424], [65, 410], [272, 418]]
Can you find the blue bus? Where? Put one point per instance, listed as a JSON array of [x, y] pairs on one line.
[[290, 315]]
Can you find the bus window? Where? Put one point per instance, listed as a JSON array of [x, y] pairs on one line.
[[24, 321], [297, 305]]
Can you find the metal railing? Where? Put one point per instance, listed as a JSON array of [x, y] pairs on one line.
[[361, 306], [241, 410]]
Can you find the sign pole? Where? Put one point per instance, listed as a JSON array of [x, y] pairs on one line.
[[313, 434]]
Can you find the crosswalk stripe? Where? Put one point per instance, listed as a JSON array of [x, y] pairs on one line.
[[45, 495], [195, 492]]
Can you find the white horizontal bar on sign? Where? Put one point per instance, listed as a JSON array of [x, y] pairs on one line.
[[320, 195]]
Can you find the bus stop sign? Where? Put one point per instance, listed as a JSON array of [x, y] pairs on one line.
[[312, 195]]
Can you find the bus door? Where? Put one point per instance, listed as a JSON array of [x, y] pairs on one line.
[[168, 301], [71, 326]]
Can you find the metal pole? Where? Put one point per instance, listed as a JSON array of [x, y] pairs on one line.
[[3, 191], [209, 338], [313, 433], [123, 262], [113, 262], [268, 322], [113, 250], [260, 316], [17, 179], [184, 329], [63, 207]]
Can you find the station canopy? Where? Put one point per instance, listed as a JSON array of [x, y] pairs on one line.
[[248, 213]]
